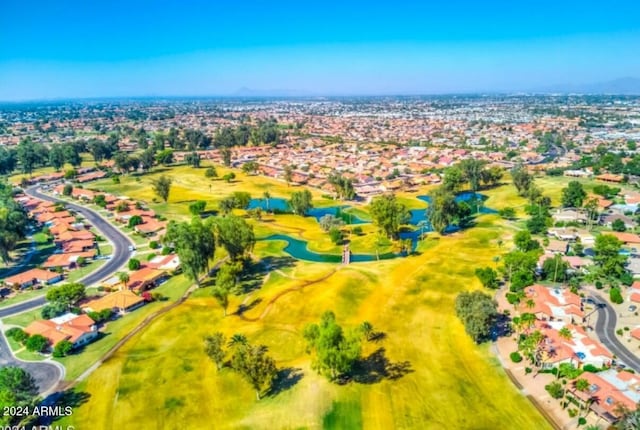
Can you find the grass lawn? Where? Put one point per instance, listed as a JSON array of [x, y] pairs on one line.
[[115, 330], [76, 274], [161, 378], [23, 319]]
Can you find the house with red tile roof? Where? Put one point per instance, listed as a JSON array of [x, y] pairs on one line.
[[77, 329], [121, 302], [553, 304], [608, 391], [32, 277]]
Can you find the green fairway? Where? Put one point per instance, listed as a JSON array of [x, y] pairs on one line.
[[161, 378]]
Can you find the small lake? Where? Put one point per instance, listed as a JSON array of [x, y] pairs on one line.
[[298, 248], [280, 205]]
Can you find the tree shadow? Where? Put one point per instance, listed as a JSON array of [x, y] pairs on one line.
[[502, 327], [69, 398], [254, 274], [376, 367], [242, 308], [285, 380], [377, 336]]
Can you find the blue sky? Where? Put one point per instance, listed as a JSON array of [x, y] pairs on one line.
[[118, 48]]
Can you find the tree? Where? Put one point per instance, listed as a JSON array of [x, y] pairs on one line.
[[162, 187], [328, 221], [225, 153], [124, 278], [62, 348], [343, 186], [555, 390], [225, 283], [607, 255], [615, 295], [573, 195], [195, 245], [235, 235], [335, 351], [267, 197], [214, 348], [67, 190], [472, 169], [388, 214], [524, 242], [618, 225], [367, 330], [453, 179], [210, 173], [226, 205], [147, 159], [134, 220], [522, 180], [488, 277], [300, 202], [478, 312], [241, 199], [17, 389], [443, 209], [336, 235], [67, 294], [164, 157], [37, 343], [229, 177], [71, 155], [250, 167], [134, 264], [13, 222], [288, 174], [555, 269], [253, 363], [196, 208], [56, 157], [192, 159]]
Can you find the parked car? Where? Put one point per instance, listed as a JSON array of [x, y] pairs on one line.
[[632, 308]]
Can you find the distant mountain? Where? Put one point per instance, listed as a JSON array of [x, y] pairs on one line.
[[621, 86], [249, 92]]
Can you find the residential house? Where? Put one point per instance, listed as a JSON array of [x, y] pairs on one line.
[[170, 262], [608, 391], [145, 279], [32, 277], [77, 329], [569, 215], [121, 302], [553, 304]]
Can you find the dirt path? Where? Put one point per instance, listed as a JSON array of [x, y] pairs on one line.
[[275, 298]]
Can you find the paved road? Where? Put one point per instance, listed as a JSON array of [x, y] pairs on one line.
[[119, 257], [46, 375], [606, 331]]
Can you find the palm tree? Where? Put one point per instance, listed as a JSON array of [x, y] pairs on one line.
[[531, 304], [565, 333], [266, 196], [527, 319], [422, 224], [367, 329], [124, 278], [582, 384], [237, 340]]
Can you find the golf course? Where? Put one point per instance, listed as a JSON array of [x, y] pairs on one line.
[[422, 371]]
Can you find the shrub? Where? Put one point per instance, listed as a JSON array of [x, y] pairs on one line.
[[527, 370], [615, 295], [336, 235], [62, 348], [582, 421], [357, 230], [134, 264], [555, 390], [573, 412], [36, 343], [619, 332], [166, 250], [115, 179], [599, 285], [507, 213], [515, 357], [134, 221], [17, 334], [151, 256], [81, 261], [67, 190], [590, 368], [154, 244]]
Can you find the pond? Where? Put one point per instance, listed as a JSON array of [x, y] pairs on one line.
[[280, 205], [297, 248]]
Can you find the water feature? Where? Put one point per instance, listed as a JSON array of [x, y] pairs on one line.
[[278, 204], [298, 248]]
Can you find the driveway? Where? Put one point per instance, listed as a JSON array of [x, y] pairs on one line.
[[120, 255], [606, 332], [46, 375]]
